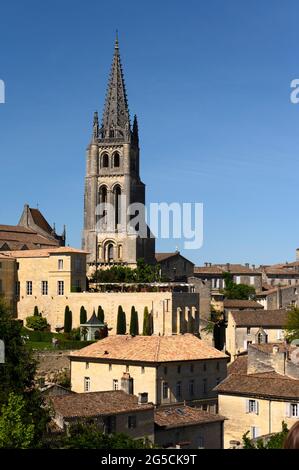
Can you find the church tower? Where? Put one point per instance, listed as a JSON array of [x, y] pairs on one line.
[[113, 184]]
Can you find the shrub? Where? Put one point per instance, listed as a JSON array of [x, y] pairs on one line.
[[68, 320], [134, 327], [121, 321], [36, 312], [146, 323], [101, 315], [83, 316], [37, 323]]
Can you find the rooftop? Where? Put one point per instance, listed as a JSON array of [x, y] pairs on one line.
[[152, 349], [235, 303], [43, 253], [222, 268], [269, 384], [265, 318], [94, 404], [164, 256], [174, 417]]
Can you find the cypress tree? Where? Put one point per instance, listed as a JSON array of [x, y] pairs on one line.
[[121, 321], [146, 323], [68, 320], [36, 312], [101, 314], [134, 327], [83, 316]]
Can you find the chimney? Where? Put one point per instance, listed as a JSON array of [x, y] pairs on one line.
[[206, 264], [247, 265], [253, 266], [227, 266]]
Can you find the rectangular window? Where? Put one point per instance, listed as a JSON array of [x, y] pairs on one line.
[[127, 368], [237, 279], [255, 432], [191, 388], [132, 422], [44, 288], [86, 365], [60, 264], [165, 370], [17, 287], [252, 280], [110, 424], [165, 390], [179, 369], [248, 330], [60, 287], [86, 384], [115, 384], [110, 366], [142, 370], [29, 287], [178, 390], [200, 442], [294, 410], [0, 265], [279, 334], [252, 406], [192, 368]]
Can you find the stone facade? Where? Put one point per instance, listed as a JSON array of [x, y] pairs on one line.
[[113, 183], [279, 297], [174, 266], [8, 278]]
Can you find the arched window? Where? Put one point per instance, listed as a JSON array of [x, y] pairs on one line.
[[103, 194], [110, 252], [117, 205], [111, 134], [105, 160], [120, 251], [116, 160]]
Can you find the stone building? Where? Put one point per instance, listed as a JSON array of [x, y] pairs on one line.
[[188, 427], [50, 286], [32, 232], [253, 326], [260, 392], [242, 274], [8, 278], [174, 266], [112, 411], [111, 234], [165, 369], [278, 297]]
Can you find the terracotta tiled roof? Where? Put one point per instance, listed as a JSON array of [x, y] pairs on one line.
[[234, 303], [164, 256], [262, 385], [96, 403], [270, 271], [175, 417], [150, 349], [16, 236], [239, 366], [264, 318], [43, 253], [275, 289], [5, 256], [236, 269]]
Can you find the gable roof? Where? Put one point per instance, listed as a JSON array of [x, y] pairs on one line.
[[269, 384], [153, 349], [265, 318], [180, 416], [160, 257], [245, 304]]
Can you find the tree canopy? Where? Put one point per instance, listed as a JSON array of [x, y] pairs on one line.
[[143, 273], [237, 291]]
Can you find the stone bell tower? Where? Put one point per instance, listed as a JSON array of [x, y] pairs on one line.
[[113, 184]]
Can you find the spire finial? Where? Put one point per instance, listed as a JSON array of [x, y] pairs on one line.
[[95, 129], [116, 40]]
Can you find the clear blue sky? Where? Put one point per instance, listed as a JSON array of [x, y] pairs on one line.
[[210, 83]]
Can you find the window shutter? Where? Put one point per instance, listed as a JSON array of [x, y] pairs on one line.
[[288, 410], [247, 405], [256, 407]]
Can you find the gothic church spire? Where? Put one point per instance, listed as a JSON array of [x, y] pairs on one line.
[[116, 118]]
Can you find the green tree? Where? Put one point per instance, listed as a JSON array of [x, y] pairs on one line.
[[134, 326], [292, 325], [36, 312], [147, 323], [83, 315], [101, 314], [87, 436], [36, 323], [121, 321], [68, 320], [237, 291], [276, 441], [17, 375], [16, 424]]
